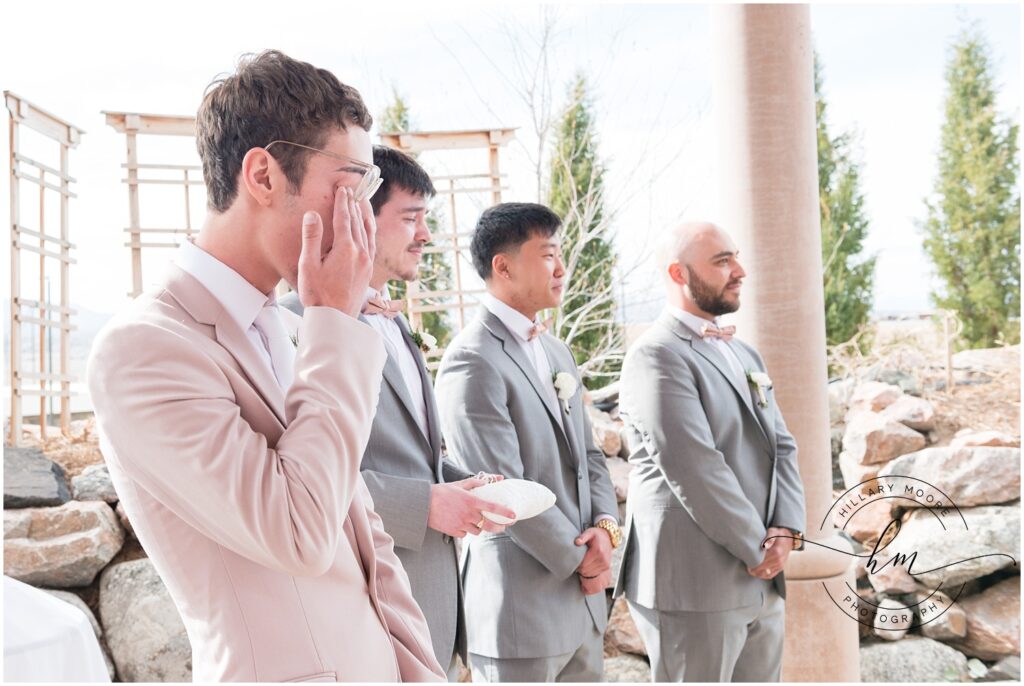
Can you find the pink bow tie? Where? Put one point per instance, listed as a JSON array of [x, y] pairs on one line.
[[711, 331], [387, 308], [536, 330]]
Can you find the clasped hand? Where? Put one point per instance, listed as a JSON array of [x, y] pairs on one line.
[[776, 553], [595, 571]]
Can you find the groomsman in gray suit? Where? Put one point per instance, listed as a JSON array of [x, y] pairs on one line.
[[423, 499], [535, 593], [715, 500]]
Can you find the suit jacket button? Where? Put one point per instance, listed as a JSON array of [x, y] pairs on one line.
[[580, 476]]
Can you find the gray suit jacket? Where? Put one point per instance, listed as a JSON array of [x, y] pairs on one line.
[[399, 466], [523, 597], [712, 471]]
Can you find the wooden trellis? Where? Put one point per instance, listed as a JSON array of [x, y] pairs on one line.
[[453, 242], [132, 125], [44, 383]]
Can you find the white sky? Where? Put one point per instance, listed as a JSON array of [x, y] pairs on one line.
[[650, 65]]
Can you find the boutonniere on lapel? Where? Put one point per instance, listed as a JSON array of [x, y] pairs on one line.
[[424, 341], [761, 383], [566, 386]]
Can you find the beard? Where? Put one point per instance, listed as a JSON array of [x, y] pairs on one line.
[[707, 297]]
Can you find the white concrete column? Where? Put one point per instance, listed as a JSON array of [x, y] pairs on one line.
[[767, 176]]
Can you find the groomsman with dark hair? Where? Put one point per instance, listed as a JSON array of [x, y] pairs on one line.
[[423, 499], [511, 402]]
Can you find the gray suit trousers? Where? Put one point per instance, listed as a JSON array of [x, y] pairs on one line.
[[586, 664], [742, 645]]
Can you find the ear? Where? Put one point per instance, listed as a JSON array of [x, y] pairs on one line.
[[675, 272], [500, 266], [260, 175]]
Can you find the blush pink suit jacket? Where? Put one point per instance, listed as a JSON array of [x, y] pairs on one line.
[[249, 502]]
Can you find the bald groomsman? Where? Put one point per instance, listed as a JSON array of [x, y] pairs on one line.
[[511, 402], [423, 500], [715, 500]]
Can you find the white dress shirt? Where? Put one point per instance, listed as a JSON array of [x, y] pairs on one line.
[[242, 301], [516, 322], [394, 340], [695, 323]]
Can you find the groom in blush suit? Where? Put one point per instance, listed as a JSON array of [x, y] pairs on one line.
[[236, 453], [536, 608], [715, 500], [424, 501]]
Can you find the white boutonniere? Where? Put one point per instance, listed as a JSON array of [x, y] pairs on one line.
[[761, 383], [565, 384], [424, 341]]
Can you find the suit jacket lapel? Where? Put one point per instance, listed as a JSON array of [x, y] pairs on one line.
[[393, 376], [433, 423], [205, 308], [748, 363], [552, 352], [705, 350], [515, 351]]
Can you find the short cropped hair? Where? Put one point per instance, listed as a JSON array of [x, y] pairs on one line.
[[398, 170], [507, 226], [270, 97]]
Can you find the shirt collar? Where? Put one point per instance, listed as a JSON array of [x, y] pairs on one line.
[[514, 320], [240, 299], [691, 321]]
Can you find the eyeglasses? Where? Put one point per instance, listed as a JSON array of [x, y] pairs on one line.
[[369, 181]]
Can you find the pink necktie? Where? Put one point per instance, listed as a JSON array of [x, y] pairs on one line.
[[387, 308], [711, 331], [536, 330]]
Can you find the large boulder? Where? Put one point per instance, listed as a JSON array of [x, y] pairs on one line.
[[873, 396], [94, 484], [62, 546], [144, 630], [968, 476], [993, 621], [966, 438], [621, 633], [891, 578], [619, 470], [939, 617], [874, 439], [856, 473], [915, 413], [950, 553], [31, 480], [892, 620], [912, 660], [1007, 669], [606, 436], [626, 668], [865, 523]]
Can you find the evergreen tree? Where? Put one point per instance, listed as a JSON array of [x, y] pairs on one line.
[[435, 270], [972, 232], [848, 276], [587, 320]]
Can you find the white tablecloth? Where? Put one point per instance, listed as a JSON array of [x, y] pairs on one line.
[[46, 639]]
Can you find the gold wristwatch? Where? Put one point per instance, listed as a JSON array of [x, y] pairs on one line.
[[798, 539], [613, 531]]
